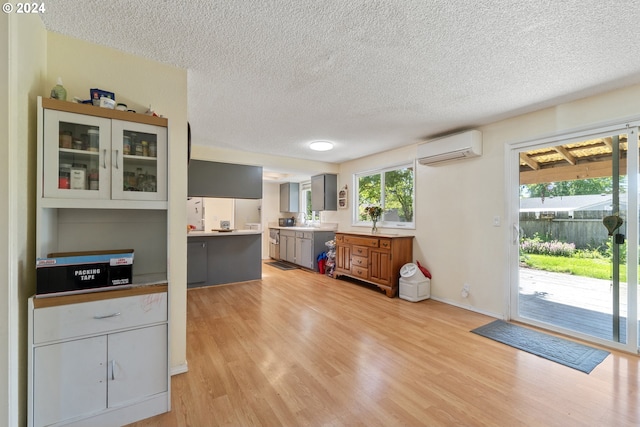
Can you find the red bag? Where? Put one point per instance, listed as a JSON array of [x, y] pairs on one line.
[[321, 265], [426, 272]]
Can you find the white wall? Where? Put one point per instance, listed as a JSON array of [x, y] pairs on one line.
[[216, 210], [23, 58], [270, 212], [7, 342], [247, 211], [456, 203]]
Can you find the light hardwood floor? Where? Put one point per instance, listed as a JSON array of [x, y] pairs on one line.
[[300, 349]]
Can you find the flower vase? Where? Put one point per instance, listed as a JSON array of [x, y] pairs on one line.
[[374, 228]]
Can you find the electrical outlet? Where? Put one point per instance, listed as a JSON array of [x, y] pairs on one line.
[[466, 288]]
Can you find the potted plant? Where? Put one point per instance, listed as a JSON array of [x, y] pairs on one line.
[[374, 212]]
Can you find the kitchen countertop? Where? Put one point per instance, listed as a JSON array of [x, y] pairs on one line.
[[377, 234], [305, 228], [222, 233]]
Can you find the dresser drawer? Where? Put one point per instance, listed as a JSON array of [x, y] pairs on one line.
[[360, 251], [370, 242], [361, 272], [385, 243], [359, 261], [95, 317]]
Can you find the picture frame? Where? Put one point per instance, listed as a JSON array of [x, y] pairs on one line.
[[343, 197]]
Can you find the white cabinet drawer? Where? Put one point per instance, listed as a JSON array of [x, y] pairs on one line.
[[95, 317]]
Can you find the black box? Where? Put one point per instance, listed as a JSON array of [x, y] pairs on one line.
[[77, 272]]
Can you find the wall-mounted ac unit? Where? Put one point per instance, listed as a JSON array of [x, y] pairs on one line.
[[451, 147]]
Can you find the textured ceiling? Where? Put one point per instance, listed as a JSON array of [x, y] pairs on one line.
[[369, 75]]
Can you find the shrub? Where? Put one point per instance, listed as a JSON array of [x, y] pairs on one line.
[[589, 254], [623, 251], [553, 247]]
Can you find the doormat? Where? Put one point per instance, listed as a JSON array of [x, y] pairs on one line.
[[282, 265], [560, 350]]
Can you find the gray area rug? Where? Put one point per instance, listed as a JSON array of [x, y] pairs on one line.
[[282, 265], [572, 354]]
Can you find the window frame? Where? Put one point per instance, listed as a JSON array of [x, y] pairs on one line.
[[356, 222], [305, 188]]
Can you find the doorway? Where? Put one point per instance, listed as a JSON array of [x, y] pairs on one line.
[[568, 271]]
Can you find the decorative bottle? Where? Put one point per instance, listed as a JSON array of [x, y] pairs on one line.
[[58, 91]]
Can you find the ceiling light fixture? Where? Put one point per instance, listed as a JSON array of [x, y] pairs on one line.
[[321, 145]]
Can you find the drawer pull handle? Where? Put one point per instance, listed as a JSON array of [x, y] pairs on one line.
[[106, 316], [113, 369]]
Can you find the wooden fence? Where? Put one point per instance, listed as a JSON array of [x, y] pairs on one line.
[[584, 229]]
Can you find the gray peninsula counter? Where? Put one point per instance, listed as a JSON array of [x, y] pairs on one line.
[[217, 257]]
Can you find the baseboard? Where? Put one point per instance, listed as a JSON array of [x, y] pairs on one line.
[[155, 405], [469, 307], [179, 369]]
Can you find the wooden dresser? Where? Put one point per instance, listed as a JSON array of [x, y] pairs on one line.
[[373, 258]]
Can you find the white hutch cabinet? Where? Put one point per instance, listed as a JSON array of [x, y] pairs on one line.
[[100, 358], [106, 156]]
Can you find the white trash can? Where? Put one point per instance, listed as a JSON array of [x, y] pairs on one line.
[[414, 286]]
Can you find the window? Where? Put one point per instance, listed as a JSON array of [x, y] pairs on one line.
[[305, 202], [390, 188]]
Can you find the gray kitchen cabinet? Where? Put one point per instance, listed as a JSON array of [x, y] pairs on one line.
[[288, 246], [289, 197], [304, 249], [226, 180], [318, 245], [219, 258], [196, 262], [324, 192]]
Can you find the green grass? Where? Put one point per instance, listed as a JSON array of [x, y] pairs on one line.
[[587, 267]]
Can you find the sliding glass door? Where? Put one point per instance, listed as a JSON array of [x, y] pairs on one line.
[[571, 261]]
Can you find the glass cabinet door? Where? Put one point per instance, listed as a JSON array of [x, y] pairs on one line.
[[139, 159], [75, 161]]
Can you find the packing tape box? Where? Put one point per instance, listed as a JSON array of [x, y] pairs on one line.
[[77, 272]]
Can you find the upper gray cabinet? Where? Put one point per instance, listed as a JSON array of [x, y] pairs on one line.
[[289, 197], [214, 179], [324, 192]]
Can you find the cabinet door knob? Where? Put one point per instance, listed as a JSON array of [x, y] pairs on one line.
[[113, 369], [117, 154], [104, 158]]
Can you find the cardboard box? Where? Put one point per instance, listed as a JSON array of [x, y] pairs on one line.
[[96, 94], [77, 272]]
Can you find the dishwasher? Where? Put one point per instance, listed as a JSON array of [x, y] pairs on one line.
[[274, 243]]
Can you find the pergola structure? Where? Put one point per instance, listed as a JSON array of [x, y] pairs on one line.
[[567, 162]]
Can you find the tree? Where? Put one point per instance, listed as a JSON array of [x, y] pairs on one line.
[[398, 193], [576, 187], [369, 193]]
